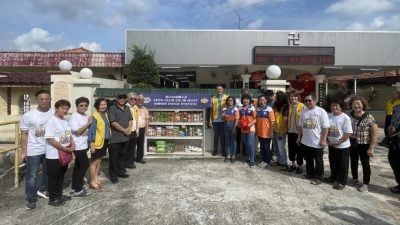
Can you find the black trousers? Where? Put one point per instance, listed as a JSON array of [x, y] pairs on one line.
[[219, 135], [314, 156], [80, 167], [56, 174], [359, 152], [238, 141], [394, 159], [140, 144], [131, 150], [295, 151], [117, 154], [339, 164]]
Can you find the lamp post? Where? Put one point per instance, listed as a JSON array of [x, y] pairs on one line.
[[65, 66], [273, 72]]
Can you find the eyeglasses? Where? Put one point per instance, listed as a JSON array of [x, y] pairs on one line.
[[308, 100], [83, 105], [132, 98]]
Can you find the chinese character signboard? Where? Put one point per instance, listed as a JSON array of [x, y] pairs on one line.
[[179, 101], [294, 55]]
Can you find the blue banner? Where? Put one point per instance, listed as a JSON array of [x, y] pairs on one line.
[[179, 101]]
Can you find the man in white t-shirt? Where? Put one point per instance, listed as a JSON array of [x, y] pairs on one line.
[[79, 123], [312, 133], [33, 146]]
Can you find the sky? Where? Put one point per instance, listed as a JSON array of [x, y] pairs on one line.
[[99, 25]]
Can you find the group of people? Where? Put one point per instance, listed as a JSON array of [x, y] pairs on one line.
[[48, 132], [281, 118], [276, 119]]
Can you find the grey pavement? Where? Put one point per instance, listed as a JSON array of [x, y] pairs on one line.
[[209, 191]]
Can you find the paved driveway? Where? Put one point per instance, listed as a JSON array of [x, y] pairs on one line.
[[209, 191]]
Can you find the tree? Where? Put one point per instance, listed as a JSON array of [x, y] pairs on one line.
[[142, 69]]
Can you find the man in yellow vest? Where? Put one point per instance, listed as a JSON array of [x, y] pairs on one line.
[[393, 101], [218, 103], [131, 151]]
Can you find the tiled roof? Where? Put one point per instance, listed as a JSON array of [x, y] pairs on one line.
[[77, 50], [78, 57], [25, 79]]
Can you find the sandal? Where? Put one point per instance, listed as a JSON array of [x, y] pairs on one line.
[[95, 187]]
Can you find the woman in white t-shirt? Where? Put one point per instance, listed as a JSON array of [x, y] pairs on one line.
[[339, 144], [58, 135], [79, 123]]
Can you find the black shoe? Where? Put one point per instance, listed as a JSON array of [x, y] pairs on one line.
[[66, 198], [291, 168], [307, 177], [226, 159], [213, 153], [131, 166], [328, 180], [251, 164], [232, 160], [141, 161], [247, 160], [114, 181], [57, 202], [123, 175], [395, 189], [31, 205], [316, 181], [299, 170]]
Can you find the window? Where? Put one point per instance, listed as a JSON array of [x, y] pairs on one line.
[[25, 104]]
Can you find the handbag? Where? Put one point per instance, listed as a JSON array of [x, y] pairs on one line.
[[244, 123], [64, 157]]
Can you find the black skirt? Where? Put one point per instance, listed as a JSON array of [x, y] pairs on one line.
[[99, 153]]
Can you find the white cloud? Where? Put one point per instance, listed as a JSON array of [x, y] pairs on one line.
[[114, 21], [377, 23], [71, 9], [36, 40], [356, 8], [356, 27], [256, 24], [238, 4], [92, 46], [140, 6]]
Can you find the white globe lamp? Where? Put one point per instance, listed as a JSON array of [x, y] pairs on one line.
[[273, 72], [65, 66], [86, 73]]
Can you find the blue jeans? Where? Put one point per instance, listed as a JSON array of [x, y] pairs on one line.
[[278, 143], [230, 139], [219, 135], [32, 168], [265, 149], [248, 140]]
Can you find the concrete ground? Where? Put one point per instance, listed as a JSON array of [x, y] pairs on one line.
[[209, 191]]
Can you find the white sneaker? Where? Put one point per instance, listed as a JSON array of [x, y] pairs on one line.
[[43, 194], [262, 164], [363, 188]]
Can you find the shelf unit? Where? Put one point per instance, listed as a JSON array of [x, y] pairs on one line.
[[182, 130]]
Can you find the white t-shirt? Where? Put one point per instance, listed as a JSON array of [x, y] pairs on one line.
[[339, 125], [34, 122], [312, 121], [77, 121], [59, 130]]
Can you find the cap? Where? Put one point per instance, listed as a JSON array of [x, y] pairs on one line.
[[121, 95]]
